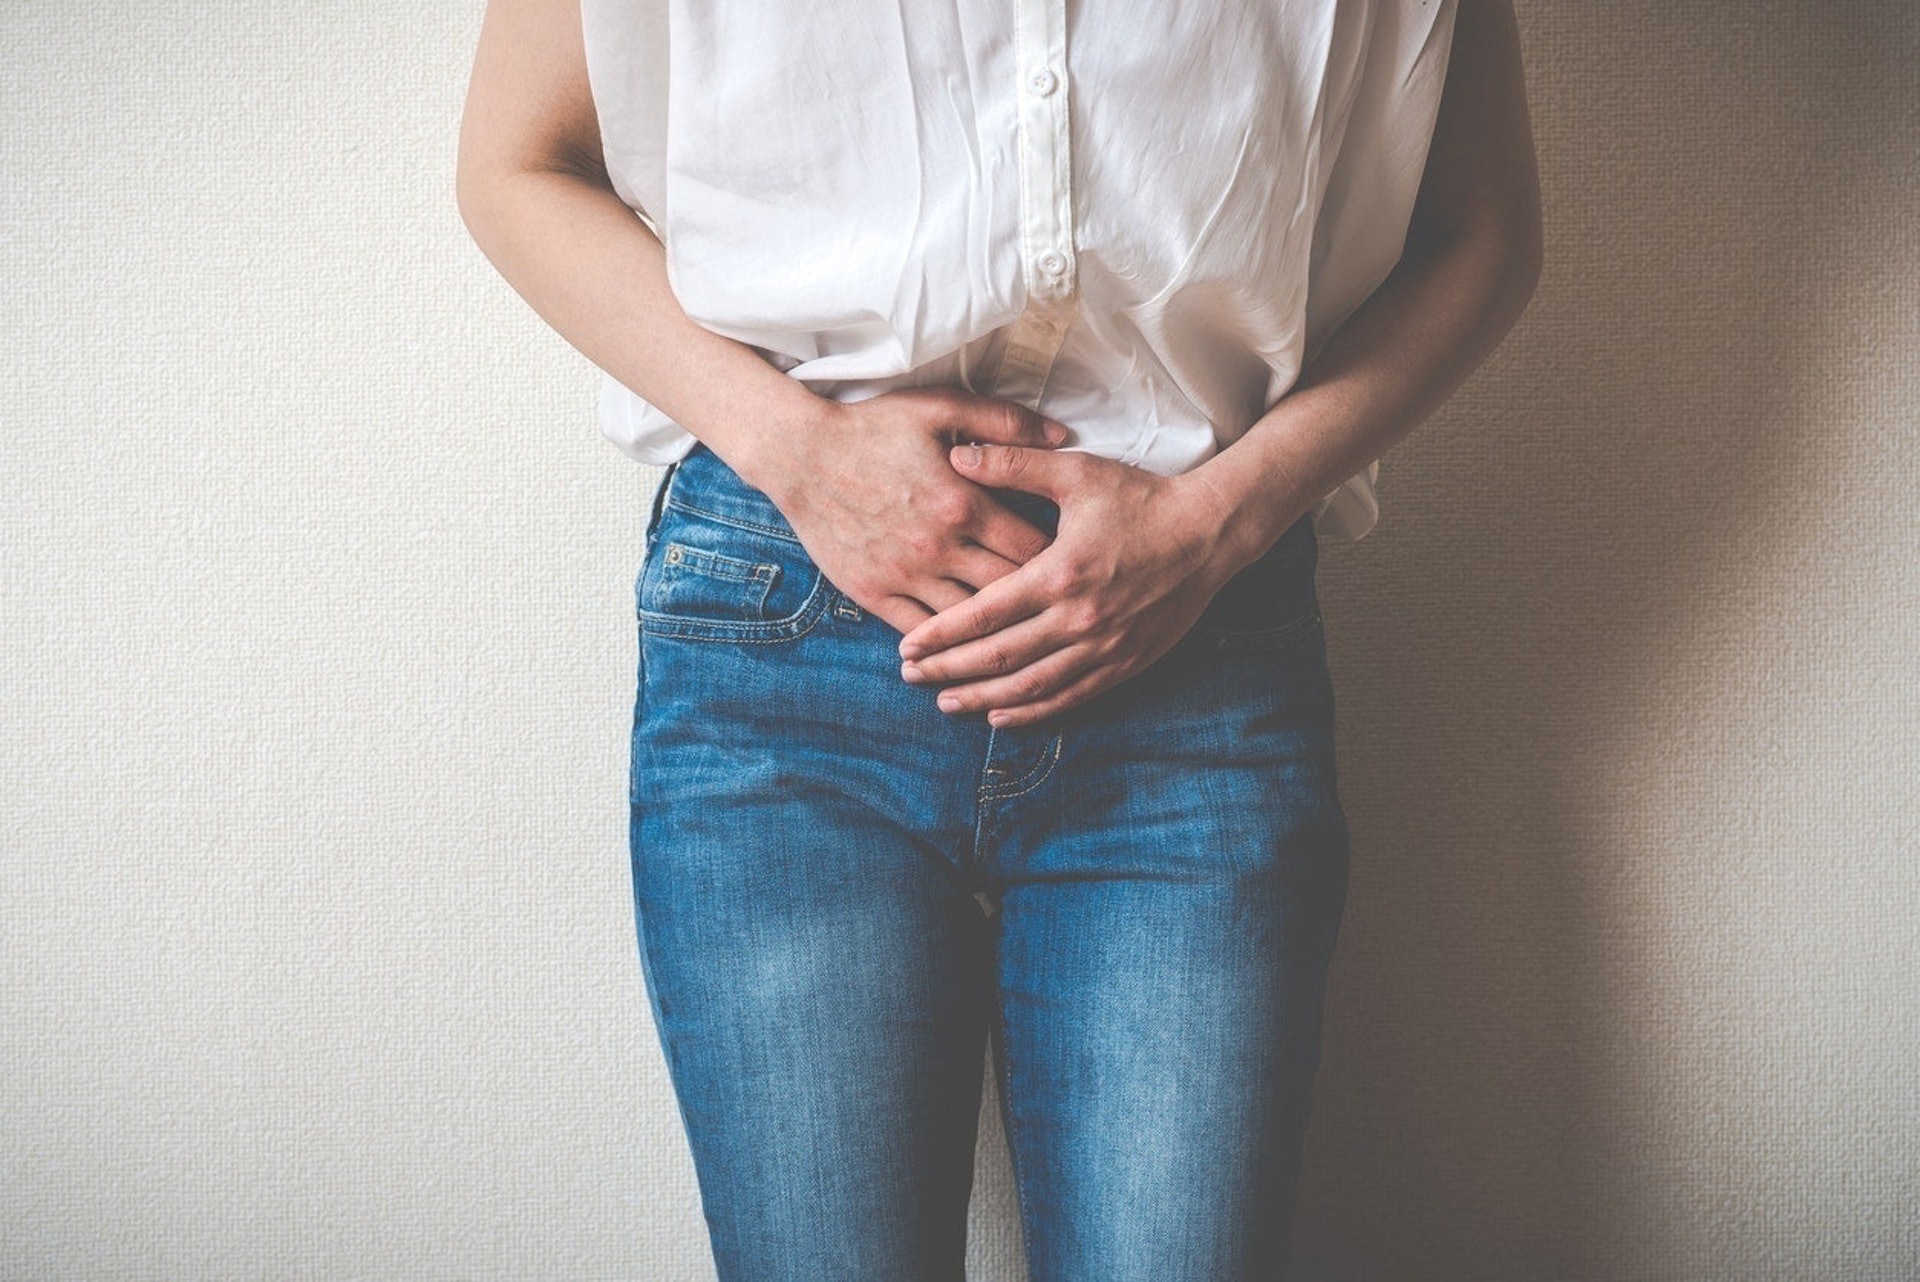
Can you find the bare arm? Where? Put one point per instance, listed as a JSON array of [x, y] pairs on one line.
[[534, 195], [867, 487], [1138, 557]]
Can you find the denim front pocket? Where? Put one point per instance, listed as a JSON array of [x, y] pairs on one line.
[[700, 583], [710, 579]]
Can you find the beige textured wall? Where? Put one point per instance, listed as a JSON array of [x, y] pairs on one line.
[[316, 941]]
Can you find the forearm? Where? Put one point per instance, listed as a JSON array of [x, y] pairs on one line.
[[1430, 324], [594, 272]]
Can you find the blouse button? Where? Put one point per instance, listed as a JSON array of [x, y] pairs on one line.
[[1043, 81], [1051, 262]]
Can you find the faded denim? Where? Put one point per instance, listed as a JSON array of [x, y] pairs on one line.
[[844, 895]]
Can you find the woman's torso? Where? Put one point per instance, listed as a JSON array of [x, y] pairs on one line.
[[1139, 218]]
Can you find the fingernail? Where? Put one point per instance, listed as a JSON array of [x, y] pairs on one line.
[[911, 650], [998, 718], [967, 455], [910, 670], [949, 702], [1054, 433]]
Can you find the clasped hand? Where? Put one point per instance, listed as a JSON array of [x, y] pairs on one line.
[[890, 496], [1135, 560]]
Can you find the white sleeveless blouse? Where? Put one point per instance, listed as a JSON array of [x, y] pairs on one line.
[[1139, 217]]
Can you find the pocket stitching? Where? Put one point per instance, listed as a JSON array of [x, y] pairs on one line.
[[692, 627], [719, 565], [738, 522], [693, 565], [759, 632]]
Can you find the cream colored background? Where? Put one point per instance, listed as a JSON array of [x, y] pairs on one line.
[[318, 950]]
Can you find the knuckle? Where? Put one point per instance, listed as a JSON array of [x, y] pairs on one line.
[[1065, 580], [997, 661], [862, 585], [934, 409], [1008, 416], [952, 507], [1085, 618], [1027, 687]]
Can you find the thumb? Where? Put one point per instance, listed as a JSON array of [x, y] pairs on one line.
[[1015, 467]]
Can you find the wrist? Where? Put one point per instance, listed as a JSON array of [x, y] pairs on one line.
[[1243, 520], [785, 440]]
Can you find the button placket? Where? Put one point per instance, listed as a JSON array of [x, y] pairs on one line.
[[1046, 205]]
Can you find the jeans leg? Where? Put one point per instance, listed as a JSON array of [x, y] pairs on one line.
[[1171, 887], [819, 992], [817, 965]]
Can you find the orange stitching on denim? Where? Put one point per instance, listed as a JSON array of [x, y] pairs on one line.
[[745, 632], [1021, 787], [737, 522]]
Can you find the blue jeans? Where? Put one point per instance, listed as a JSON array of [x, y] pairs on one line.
[[844, 895]]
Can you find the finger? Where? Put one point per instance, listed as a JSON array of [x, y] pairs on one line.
[[1036, 681], [1048, 473], [1003, 422], [941, 594], [1071, 695], [1006, 533], [996, 655], [900, 613], [977, 566], [1002, 603]]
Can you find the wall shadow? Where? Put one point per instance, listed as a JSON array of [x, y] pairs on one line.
[[1719, 197]]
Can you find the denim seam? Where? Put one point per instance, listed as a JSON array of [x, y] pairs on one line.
[[655, 627], [719, 565], [766, 632], [639, 717], [738, 522], [1009, 1122], [660, 495], [1040, 773], [980, 827], [754, 581]]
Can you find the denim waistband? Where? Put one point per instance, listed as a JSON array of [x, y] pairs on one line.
[[703, 482]]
